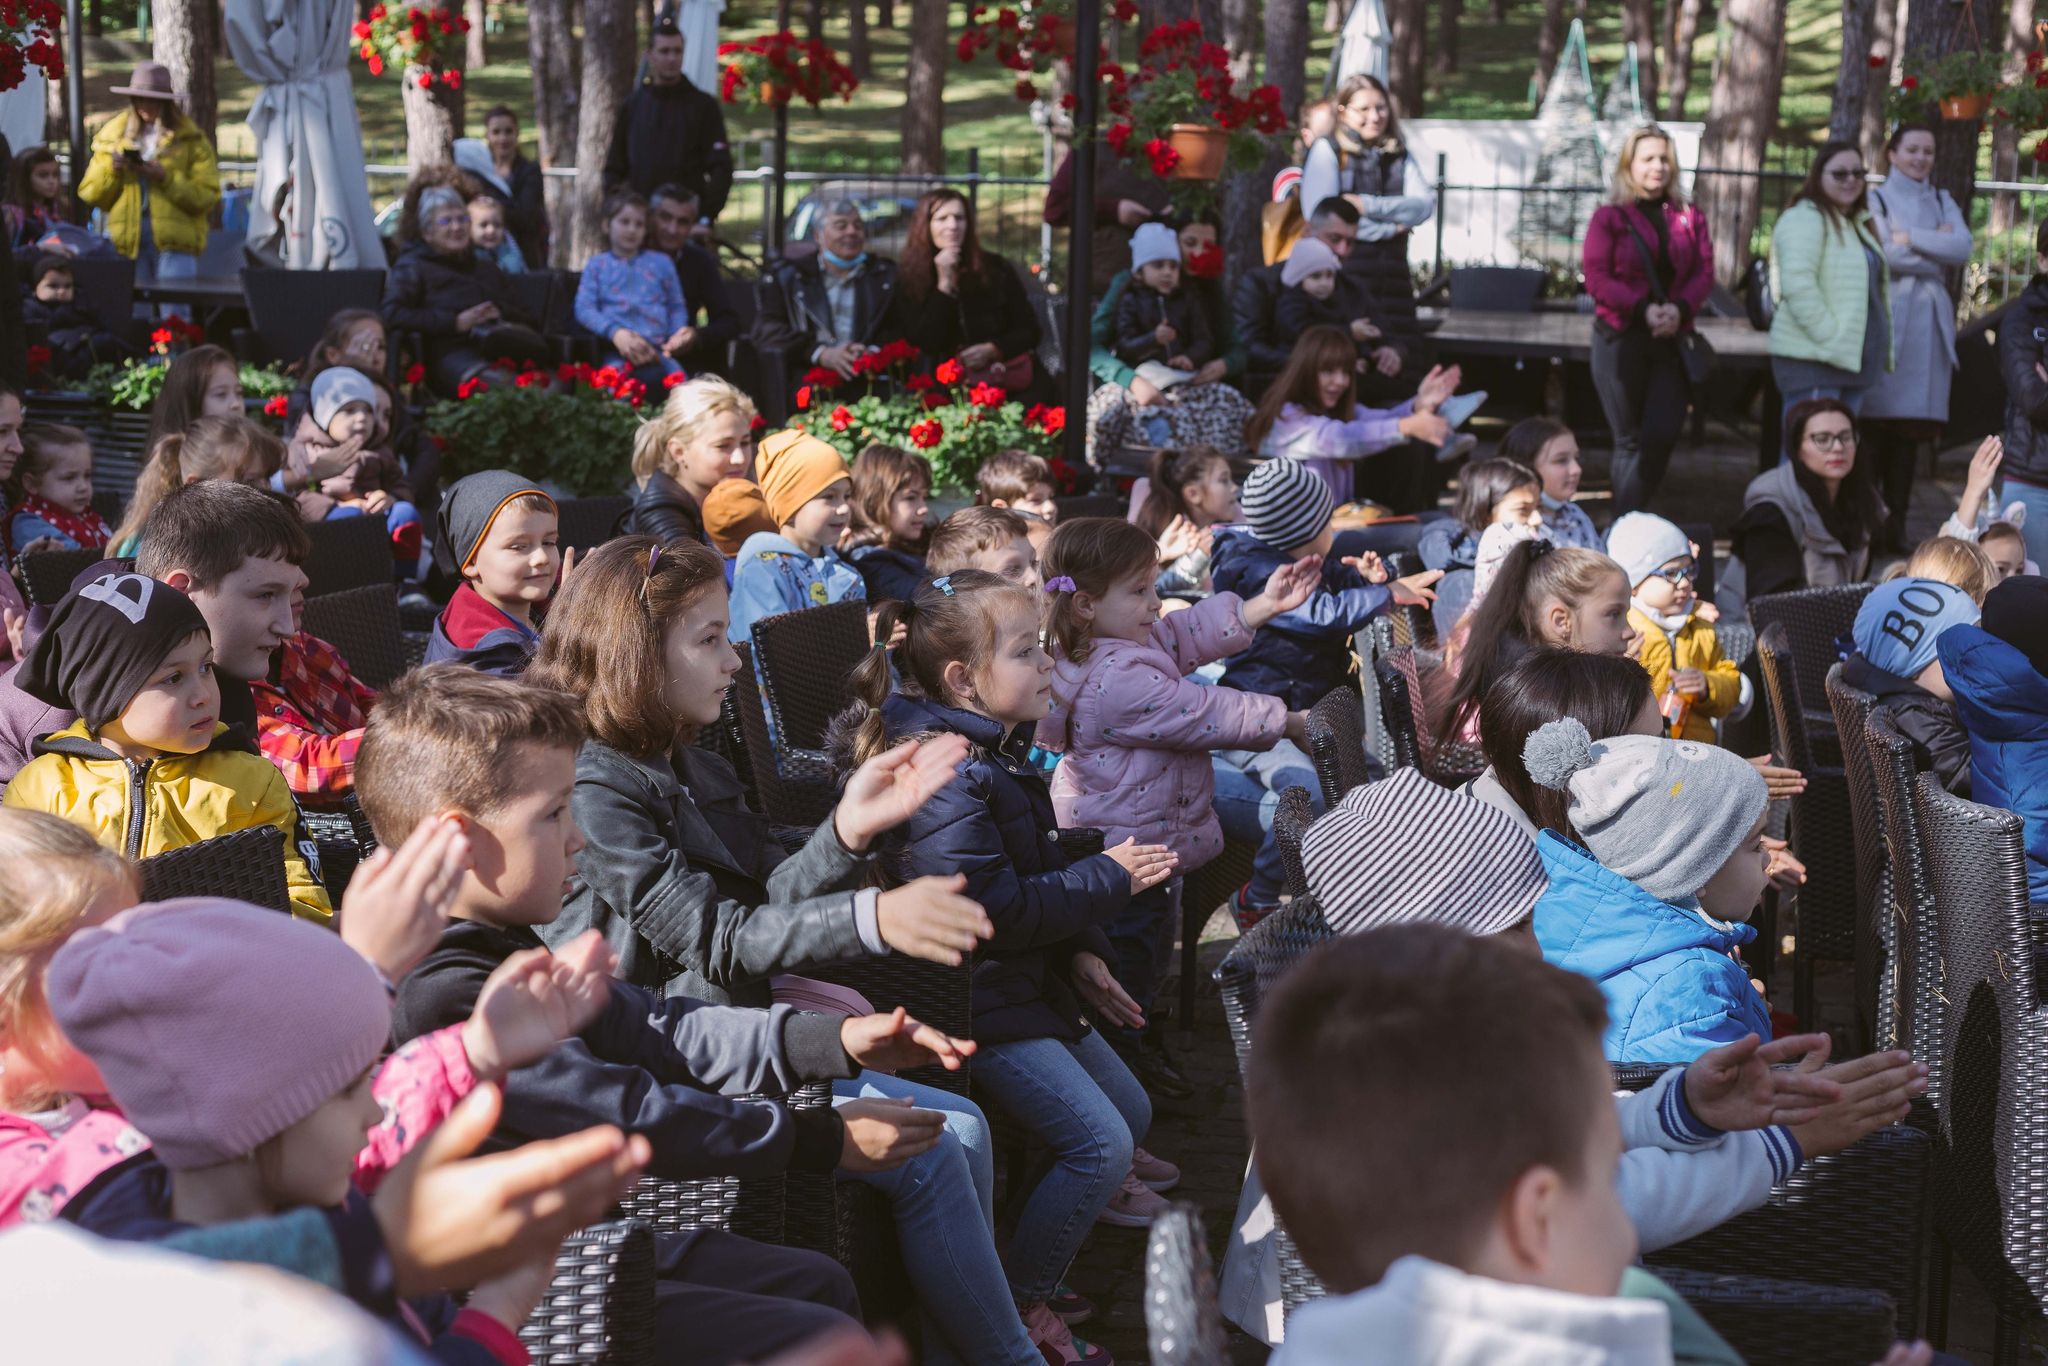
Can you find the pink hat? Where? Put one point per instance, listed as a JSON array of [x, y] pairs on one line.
[[217, 1024]]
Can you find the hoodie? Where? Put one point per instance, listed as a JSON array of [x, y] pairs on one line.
[[2003, 704], [773, 575], [1940, 744]]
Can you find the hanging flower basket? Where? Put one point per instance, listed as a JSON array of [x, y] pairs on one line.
[[1965, 108], [1031, 37], [773, 95], [774, 69], [1202, 148], [1182, 113]]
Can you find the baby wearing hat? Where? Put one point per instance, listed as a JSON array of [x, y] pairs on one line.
[[1309, 295], [1157, 317], [810, 500], [334, 467], [1652, 908], [1695, 684], [1896, 632], [500, 534]]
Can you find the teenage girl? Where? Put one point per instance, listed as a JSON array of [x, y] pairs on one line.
[[892, 491], [1548, 447]]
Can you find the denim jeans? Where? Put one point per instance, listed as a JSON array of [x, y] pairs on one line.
[[1248, 787], [1085, 1106], [1850, 391], [165, 266], [1142, 936], [2035, 499], [950, 1255]]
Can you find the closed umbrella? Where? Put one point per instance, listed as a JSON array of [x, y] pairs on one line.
[[1363, 45], [311, 192]]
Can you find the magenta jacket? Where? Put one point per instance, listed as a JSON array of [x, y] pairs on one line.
[[1615, 275]]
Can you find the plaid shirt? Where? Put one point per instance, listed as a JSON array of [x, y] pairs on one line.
[[310, 720]]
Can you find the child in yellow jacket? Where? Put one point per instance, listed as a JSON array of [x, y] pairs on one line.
[[147, 766], [1695, 685]]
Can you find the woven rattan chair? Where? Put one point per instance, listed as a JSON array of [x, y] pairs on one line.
[[794, 788], [1201, 892], [941, 996], [1918, 1008], [245, 865], [757, 1207], [363, 624], [600, 1306], [1183, 1324], [1291, 820], [1788, 1323], [1336, 742], [587, 523], [1397, 715], [47, 574], [804, 660], [348, 552], [1444, 759], [1815, 619], [1874, 954]]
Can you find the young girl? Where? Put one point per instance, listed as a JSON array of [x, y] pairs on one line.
[[1496, 492], [703, 433], [891, 506], [37, 203], [1952, 560], [970, 664], [233, 448], [1548, 447], [355, 337], [204, 382], [51, 493], [633, 298], [1190, 492]]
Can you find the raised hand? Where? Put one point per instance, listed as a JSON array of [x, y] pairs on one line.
[[1179, 538], [397, 902], [1984, 463], [1741, 1086], [1148, 864], [1877, 1090], [1425, 426], [1414, 590], [928, 918], [529, 1004], [1369, 566], [1779, 782], [1287, 588], [888, 789], [1439, 384], [887, 1043]]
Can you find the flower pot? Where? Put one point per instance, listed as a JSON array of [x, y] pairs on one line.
[[1964, 108], [1203, 149], [773, 94]]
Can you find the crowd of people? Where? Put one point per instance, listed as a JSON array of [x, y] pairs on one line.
[[579, 943]]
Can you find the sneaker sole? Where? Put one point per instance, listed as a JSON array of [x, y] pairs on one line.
[[1075, 1316], [1120, 1220], [1157, 1188]]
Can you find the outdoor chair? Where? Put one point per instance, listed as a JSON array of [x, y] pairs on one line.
[[1851, 707], [348, 552], [1201, 892], [1917, 1008], [46, 575], [362, 623], [1815, 621], [600, 1306], [586, 523], [1183, 1323], [941, 996], [1397, 715], [1444, 759], [795, 787], [1091, 505], [1788, 1323], [104, 287], [245, 865], [1291, 820], [804, 660], [1336, 743], [289, 309], [753, 1207]]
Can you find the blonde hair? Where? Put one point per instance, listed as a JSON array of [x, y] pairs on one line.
[[1952, 560], [682, 417], [1623, 188], [231, 448]]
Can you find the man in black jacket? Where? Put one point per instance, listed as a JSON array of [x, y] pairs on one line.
[[1395, 360], [677, 212], [831, 308], [669, 131]]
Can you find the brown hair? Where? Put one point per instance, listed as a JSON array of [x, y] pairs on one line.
[[210, 528], [1096, 554], [1507, 624], [687, 407], [1604, 692], [1810, 190], [1320, 348], [880, 473], [1483, 483], [1172, 471], [207, 450], [1347, 92], [606, 636], [336, 337], [1855, 514], [184, 390], [955, 542], [1955, 561], [23, 181], [915, 272], [1009, 475], [442, 737], [39, 446], [1372, 1062], [1525, 440]]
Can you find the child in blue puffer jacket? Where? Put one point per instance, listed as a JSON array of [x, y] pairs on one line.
[[1652, 908], [1998, 673]]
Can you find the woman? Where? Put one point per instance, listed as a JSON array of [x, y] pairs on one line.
[[1831, 335], [1206, 411], [153, 172], [1925, 236], [512, 180], [1810, 522], [1366, 162], [957, 300], [460, 304], [1649, 268]]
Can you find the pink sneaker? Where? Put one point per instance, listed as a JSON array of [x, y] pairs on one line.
[[1156, 1172], [1056, 1342], [1135, 1205]]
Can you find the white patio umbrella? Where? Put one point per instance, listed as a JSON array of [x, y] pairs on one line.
[[309, 147], [1363, 45], [698, 19]]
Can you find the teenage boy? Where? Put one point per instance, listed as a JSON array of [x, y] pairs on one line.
[[987, 538], [500, 535]]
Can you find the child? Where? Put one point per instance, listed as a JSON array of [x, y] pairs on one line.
[[1157, 321], [488, 236], [1952, 560], [232, 450], [970, 664], [891, 504], [1548, 447], [993, 540], [703, 434], [147, 766], [1019, 481], [334, 468], [355, 337], [1979, 518], [2006, 546], [1695, 684], [1995, 672], [1190, 492], [204, 382], [1896, 632], [799, 565], [77, 340], [51, 493], [13, 611], [631, 297], [735, 510], [38, 203], [1309, 295], [1494, 492], [499, 534], [1654, 904]]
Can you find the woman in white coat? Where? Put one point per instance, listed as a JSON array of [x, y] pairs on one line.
[[1925, 236]]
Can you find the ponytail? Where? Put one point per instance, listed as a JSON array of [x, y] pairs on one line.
[[160, 474], [1172, 470], [236, 448], [873, 679], [1507, 624]]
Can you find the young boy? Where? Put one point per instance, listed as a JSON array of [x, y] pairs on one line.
[[1020, 481], [148, 766], [1157, 320], [734, 511], [1896, 634], [499, 534], [498, 756], [77, 340], [988, 538], [1695, 684], [489, 238], [810, 497], [1995, 670]]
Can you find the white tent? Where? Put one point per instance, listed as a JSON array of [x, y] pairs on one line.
[[1364, 42], [309, 147]]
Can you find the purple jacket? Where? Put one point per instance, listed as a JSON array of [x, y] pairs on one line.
[[23, 721], [1615, 274]]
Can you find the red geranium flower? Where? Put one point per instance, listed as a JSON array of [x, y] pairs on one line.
[[1026, 91], [454, 79], [987, 396], [161, 337], [803, 397], [1054, 421], [671, 381], [926, 434], [1163, 157], [1118, 136], [426, 80], [277, 405], [1878, 61], [469, 388], [949, 372], [918, 384], [415, 373], [841, 418], [39, 358], [759, 423], [821, 377], [1909, 83], [376, 64]]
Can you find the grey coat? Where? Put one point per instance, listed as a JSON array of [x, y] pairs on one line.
[[689, 887], [1923, 314]]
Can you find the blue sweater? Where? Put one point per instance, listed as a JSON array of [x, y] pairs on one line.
[[642, 295], [1302, 655], [2003, 703]]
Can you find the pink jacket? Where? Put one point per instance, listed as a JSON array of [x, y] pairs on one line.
[[1136, 733], [1615, 276]]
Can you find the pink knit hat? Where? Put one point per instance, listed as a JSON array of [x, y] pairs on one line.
[[217, 1024]]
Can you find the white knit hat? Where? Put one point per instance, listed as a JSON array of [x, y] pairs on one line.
[[1309, 256], [1153, 242], [1642, 543]]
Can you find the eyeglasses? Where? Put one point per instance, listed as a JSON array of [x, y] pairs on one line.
[[1833, 441], [448, 220], [1675, 574], [1857, 173]]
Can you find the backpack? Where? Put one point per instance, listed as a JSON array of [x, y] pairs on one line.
[[1756, 294], [1280, 227]]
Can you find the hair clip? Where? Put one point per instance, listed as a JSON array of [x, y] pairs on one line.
[[1059, 584], [1539, 546], [944, 583], [653, 558]]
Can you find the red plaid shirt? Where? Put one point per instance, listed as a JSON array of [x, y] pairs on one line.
[[309, 722]]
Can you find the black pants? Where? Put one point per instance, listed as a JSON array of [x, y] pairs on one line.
[[1406, 478], [1643, 390], [1894, 446], [721, 1298]]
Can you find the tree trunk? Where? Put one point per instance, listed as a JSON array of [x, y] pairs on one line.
[[1845, 117], [1407, 56], [1244, 193], [924, 89], [859, 54], [885, 13], [1549, 45], [1931, 31], [475, 53], [814, 19], [183, 40], [1686, 18], [1742, 112], [551, 53], [1449, 13], [2005, 137], [1639, 26], [94, 24], [1497, 10], [431, 122], [1884, 41], [1286, 50], [609, 58], [1333, 15]]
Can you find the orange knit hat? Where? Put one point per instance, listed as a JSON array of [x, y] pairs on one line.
[[734, 510], [794, 467]]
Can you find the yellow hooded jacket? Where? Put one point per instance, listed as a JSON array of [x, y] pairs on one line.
[[1693, 646], [148, 807], [179, 204]]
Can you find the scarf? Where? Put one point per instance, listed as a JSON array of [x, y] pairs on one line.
[[1669, 625], [88, 529]]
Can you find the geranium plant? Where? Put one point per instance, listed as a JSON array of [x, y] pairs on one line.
[[1184, 79], [421, 44], [1030, 38], [135, 384], [954, 425], [774, 68], [1960, 74], [572, 425], [28, 37]]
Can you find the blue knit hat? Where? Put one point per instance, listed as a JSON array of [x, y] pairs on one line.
[[1897, 625]]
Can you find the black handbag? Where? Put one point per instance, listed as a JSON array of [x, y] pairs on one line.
[[1695, 352]]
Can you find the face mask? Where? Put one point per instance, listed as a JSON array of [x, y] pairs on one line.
[[838, 262]]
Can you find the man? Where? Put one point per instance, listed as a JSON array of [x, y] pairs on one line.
[[669, 131], [832, 308], [1395, 356], [676, 226]]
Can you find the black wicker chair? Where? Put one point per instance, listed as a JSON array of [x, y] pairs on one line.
[[362, 623], [600, 1307], [289, 309], [1291, 820], [587, 523], [757, 1207], [46, 575], [794, 789], [1201, 892], [1918, 1009], [1815, 619], [1874, 953], [1789, 1323], [246, 865], [1397, 715], [1183, 1324], [1444, 759], [804, 660], [940, 996], [348, 552], [1336, 742]]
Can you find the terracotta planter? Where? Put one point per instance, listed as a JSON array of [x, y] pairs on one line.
[[1964, 108], [1203, 149], [773, 94]]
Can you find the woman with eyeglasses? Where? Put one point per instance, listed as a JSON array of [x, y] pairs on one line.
[[1831, 335], [1810, 522], [459, 304], [1366, 160]]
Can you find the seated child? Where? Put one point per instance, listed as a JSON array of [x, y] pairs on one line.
[[631, 297], [77, 340], [489, 238], [1654, 904], [1158, 321], [1951, 560], [1494, 492], [1994, 671], [334, 468], [734, 511], [810, 496], [1897, 630], [1695, 684], [1309, 295], [1190, 493], [499, 534], [993, 540], [891, 504], [51, 494], [1548, 447], [1979, 518], [1019, 481], [702, 434], [2006, 546], [232, 449], [147, 766]]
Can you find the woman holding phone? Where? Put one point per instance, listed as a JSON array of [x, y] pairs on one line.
[[153, 172]]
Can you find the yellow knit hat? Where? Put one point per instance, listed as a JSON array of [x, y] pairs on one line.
[[733, 511], [794, 467]]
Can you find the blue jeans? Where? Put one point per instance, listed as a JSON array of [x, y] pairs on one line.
[[950, 1255], [163, 265], [2035, 499], [1248, 787], [1142, 936], [1082, 1103]]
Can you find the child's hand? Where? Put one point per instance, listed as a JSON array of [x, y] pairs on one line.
[[1415, 590], [1296, 728], [1179, 363], [375, 501], [1706, 611], [1983, 474], [17, 626], [1421, 426], [887, 1043], [1690, 683], [883, 1133], [1876, 1090], [39, 545], [1148, 864], [568, 567], [1901, 1354], [1369, 566], [1786, 873], [1780, 782], [888, 789], [512, 1297], [1287, 588], [1164, 333], [397, 902], [532, 1002], [1439, 384], [1363, 330], [1179, 538], [1386, 360], [1740, 1085], [928, 918], [1100, 989], [851, 1346]]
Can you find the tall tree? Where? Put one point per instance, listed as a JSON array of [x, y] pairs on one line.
[[885, 13], [1686, 16], [1884, 42], [475, 51], [1852, 78], [924, 90], [184, 38], [1639, 26], [860, 53], [610, 55], [433, 120], [1933, 31], [1549, 44], [1286, 48], [1449, 13], [1245, 193], [551, 54], [2005, 137], [1407, 55], [1742, 113]]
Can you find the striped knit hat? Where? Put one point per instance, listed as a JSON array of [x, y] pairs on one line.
[[1285, 503], [1406, 850]]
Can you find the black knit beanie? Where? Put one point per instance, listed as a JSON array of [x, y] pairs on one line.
[[468, 507], [2017, 613], [104, 640]]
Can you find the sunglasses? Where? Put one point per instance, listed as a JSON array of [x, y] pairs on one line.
[[1675, 574], [1857, 174]]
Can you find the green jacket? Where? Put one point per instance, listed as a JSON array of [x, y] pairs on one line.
[[1821, 283], [1102, 357], [178, 204]]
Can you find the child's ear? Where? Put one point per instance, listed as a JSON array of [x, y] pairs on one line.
[[1527, 1233], [959, 679], [1558, 617], [1084, 605], [178, 579], [998, 502]]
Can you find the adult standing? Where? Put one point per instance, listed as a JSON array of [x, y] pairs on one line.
[[1811, 521], [1366, 161], [1831, 335], [714, 322], [511, 179], [154, 173], [830, 308], [957, 300], [2023, 361], [670, 132], [1925, 236], [1649, 267]]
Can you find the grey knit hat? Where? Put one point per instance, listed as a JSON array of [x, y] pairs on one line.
[[469, 506], [1406, 850], [1665, 814], [1286, 503]]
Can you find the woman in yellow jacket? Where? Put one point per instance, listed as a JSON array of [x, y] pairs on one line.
[[154, 173]]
